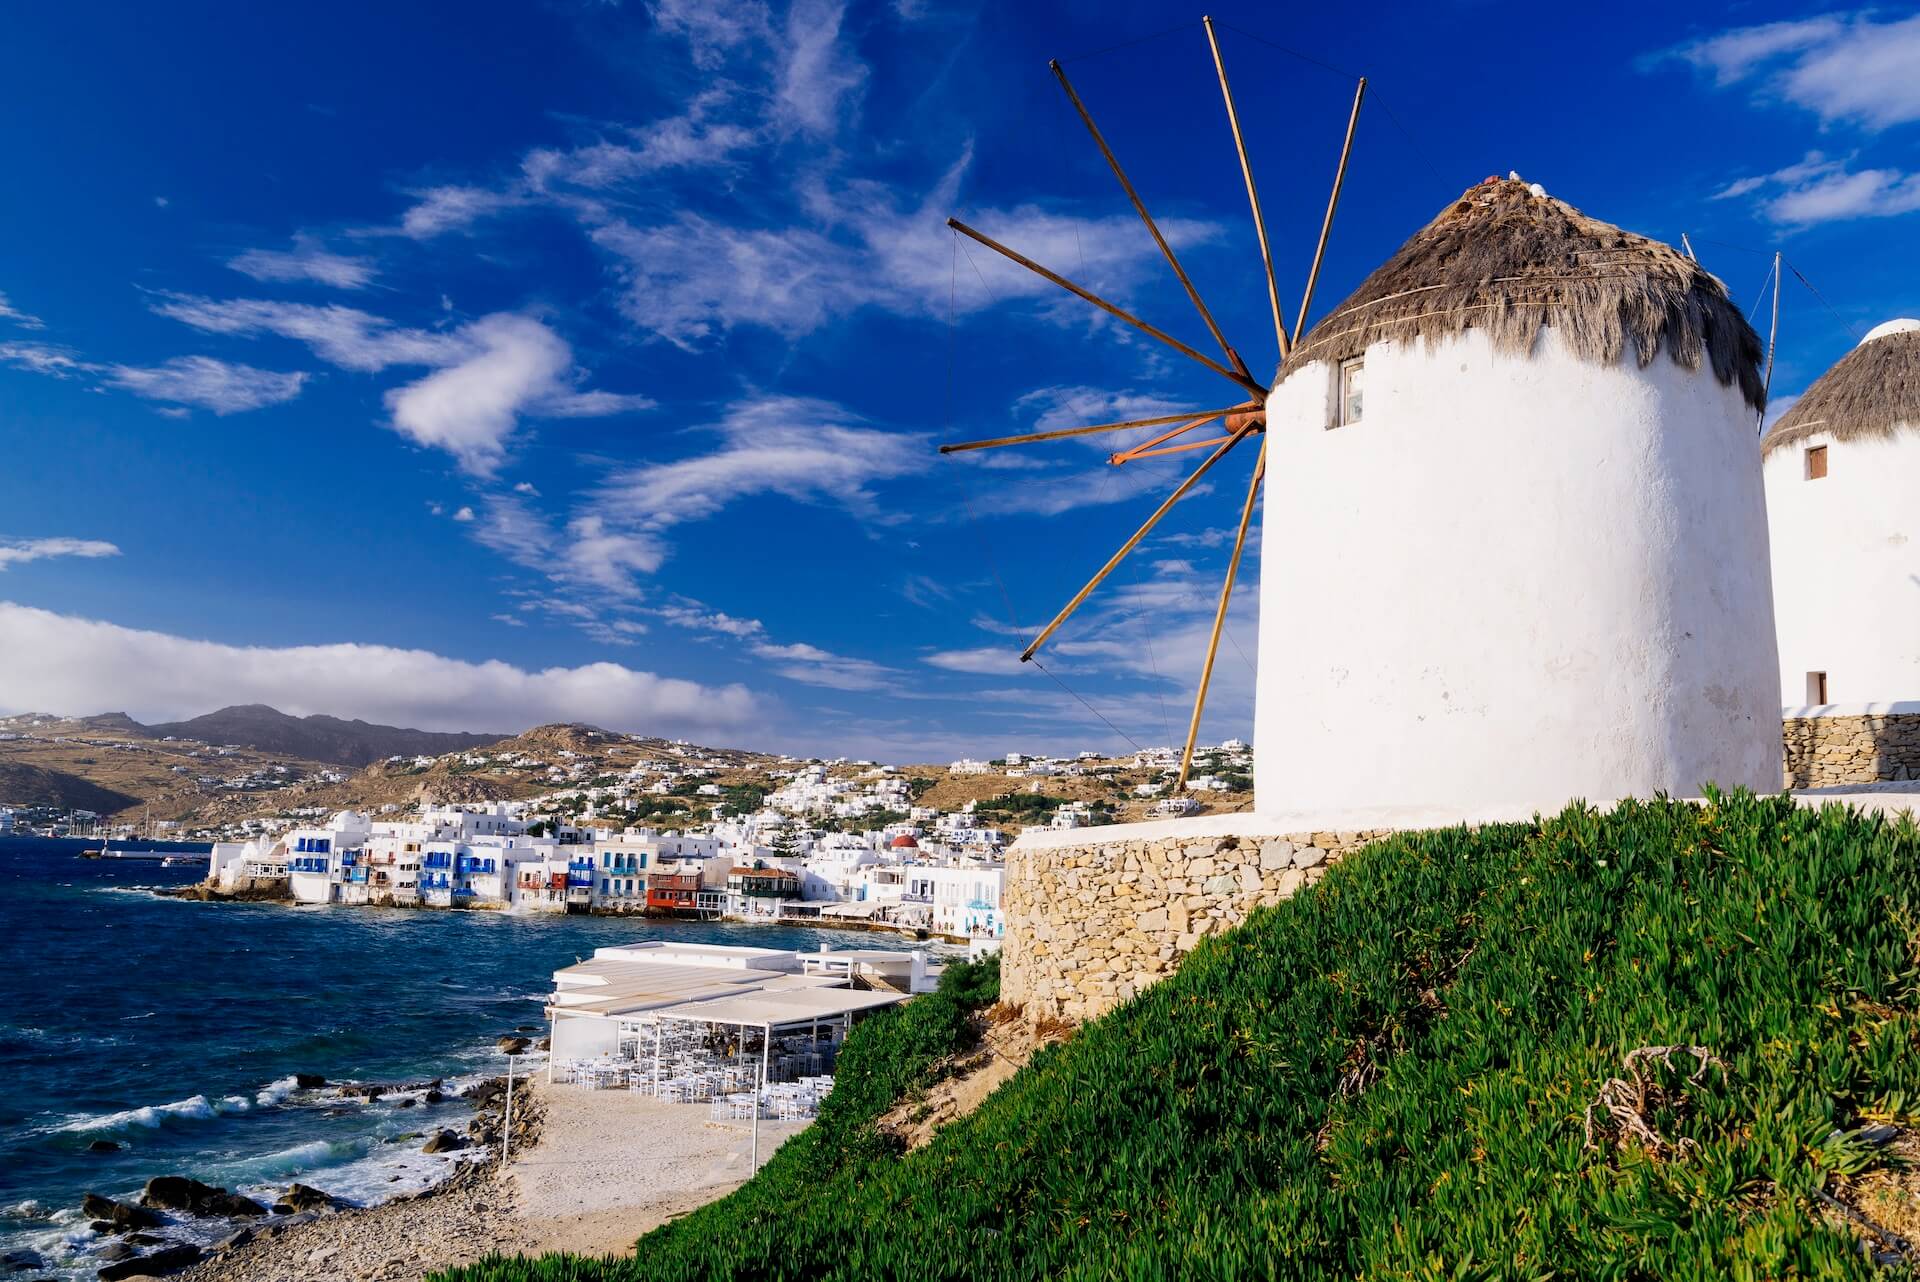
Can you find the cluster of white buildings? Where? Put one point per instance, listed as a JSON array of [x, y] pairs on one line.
[[483, 856]]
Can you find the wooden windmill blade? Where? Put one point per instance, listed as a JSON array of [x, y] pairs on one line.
[[1286, 350], [1242, 420]]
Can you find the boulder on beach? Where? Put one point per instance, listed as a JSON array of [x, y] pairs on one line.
[[103, 1146], [434, 1096], [444, 1142], [513, 1045], [168, 1259], [308, 1081], [239, 1237], [300, 1199], [179, 1193], [119, 1217]]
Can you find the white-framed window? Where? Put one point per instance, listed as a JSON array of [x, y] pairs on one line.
[[1348, 387]]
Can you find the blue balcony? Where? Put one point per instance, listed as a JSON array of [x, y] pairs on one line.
[[468, 864], [437, 859], [307, 863]]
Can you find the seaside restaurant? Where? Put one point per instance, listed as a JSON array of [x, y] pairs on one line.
[[690, 1023]]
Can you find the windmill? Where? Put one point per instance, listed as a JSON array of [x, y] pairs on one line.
[[1239, 421]]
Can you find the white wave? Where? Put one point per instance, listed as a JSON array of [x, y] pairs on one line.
[[276, 1092], [197, 1108]]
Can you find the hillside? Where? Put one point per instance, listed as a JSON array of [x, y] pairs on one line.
[[30, 785], [314, 738], [1667, 1042]]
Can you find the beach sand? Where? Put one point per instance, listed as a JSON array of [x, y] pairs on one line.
[[612, 1164], [608, 1166]]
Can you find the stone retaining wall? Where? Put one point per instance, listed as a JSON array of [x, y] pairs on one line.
[[1091, 923], [1823, 751]]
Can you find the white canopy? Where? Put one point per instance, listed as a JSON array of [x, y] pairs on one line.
[[775, 1008]]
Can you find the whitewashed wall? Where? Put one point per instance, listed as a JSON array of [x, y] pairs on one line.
[[1846, 568], [1514, 582]]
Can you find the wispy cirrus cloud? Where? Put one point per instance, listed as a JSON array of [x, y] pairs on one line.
[[223, 387], [21, 551], [308, 260], [798, 448], [14, 316]]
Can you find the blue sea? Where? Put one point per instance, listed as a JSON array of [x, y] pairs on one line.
[[174, 1029]]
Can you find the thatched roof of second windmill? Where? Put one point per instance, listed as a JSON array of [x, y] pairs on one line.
[[1507, 259], [1873, 392]]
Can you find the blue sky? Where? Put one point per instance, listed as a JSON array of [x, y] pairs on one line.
[[586, 361]]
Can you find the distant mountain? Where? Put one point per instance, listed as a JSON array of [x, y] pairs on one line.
[[318, 737], [26, 785]]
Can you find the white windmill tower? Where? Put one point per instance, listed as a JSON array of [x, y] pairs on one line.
[[1515, 538], [1843, 501]]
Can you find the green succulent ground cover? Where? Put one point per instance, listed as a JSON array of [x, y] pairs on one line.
[[1389, 1077]]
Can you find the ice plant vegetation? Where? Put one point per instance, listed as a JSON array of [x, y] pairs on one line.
[[1451, 1058]]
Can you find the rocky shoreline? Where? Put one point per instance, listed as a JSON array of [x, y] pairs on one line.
[[309, 1233]]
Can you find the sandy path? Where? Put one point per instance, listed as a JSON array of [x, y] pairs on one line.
[[612, 1164]]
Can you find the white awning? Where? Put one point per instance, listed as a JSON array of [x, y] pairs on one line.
[[769, 1009]]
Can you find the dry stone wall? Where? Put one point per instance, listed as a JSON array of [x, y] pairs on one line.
[[1090, 924], [1826, 751]]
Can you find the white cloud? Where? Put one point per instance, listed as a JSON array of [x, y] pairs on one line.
[[307, 260], [220, 386], [1869, 193], [44, 358], [525, 487], [991, 660], [810, 665], [343, 336], [512, 365], [606, 557], [1819, 189], [694, 277], [695, 617], [77, 664], [511, 620], [1840, 66], [818, 75], [453, 208], [8, 312], [807, 450], [714, 31], [20, 551], [692, 140], [488, 375], [463, 514]]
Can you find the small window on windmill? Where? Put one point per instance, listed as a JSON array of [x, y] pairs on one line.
[[1347, 391], [1816, 462], [1816, 688]]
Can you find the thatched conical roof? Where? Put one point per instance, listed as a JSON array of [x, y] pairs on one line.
[[1507, 259], [1873, 392]]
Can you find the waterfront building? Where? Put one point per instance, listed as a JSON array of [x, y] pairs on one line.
[[760, 893]]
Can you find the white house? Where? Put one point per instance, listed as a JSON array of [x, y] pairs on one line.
[[1843, 502], [1517, 480]]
